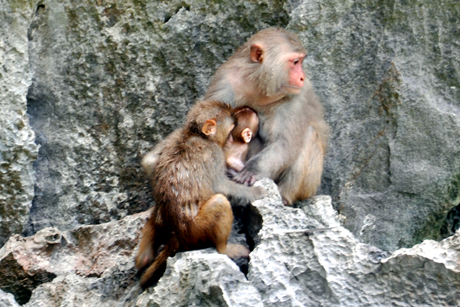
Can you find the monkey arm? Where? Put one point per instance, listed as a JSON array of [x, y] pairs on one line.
[[243, 194], [268, 163]]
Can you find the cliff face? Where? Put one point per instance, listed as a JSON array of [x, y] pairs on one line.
[[88, 87]]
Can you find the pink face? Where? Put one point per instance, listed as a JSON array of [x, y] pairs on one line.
[[296, 76]]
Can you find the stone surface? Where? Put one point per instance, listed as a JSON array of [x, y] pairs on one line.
[[111, 79], [328, 266], [7, 300], [87, 87], [87, 251], [201, 278], [107, 80], [18, 150], [298, 260], [388, 74]]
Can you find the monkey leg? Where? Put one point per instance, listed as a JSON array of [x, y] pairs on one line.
[[156, 269], [154, 235], [212, 223], [146, 252], [303, 178]]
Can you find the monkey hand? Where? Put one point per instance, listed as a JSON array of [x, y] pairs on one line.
[[236, 251], [231, 173], [245, 177]]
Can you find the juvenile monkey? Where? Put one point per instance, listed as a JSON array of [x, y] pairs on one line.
[[266, 75], [247, 125], [190, 190]]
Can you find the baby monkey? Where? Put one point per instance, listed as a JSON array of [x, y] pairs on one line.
[[236, 150]]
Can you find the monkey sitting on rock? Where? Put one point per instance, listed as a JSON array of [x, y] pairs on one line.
[[190, 188], [266, 74]]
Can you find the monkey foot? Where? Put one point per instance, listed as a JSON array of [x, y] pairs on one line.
[[237, 251]]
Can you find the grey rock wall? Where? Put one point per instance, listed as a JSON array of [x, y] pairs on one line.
[[109, 80], [388, 73], [7, 300], [18, 150], [88, 87], [106, 80]]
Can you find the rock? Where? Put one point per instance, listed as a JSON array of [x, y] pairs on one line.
[[118, 78], [87, 88], [116, 288], [87, 251], [388, 76], [327, 266], [297, 261], [427, 274], [109, 80], [18, 150], [201, 278], [7, 300]]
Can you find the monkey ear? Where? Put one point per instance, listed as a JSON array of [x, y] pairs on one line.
[[257, 53], [246, 134], [209, 127]]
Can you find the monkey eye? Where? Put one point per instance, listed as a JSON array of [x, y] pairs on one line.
[[297, 61]]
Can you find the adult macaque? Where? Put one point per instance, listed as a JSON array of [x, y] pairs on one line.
[[247, 125], [190, 190], [266, 74]]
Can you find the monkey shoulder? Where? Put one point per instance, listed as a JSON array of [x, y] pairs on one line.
[[200, 157], [182, 175], [222, 86], [203, 147]]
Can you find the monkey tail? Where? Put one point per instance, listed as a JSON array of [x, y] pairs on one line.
[[154, 272]]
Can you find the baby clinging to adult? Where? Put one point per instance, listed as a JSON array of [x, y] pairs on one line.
[[236, 150]]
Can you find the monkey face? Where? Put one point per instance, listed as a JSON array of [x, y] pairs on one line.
[[296, 77]]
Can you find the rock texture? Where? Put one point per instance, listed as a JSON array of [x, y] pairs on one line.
[[201, 278], [106, 80], [328, 266], [18, 150], [98, 253], [88, 87], [7, 300], [298, 260], [111, 79], [388, 74]]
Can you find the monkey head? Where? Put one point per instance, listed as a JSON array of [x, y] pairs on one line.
[[247, 124], [212, 119], [277, 56]]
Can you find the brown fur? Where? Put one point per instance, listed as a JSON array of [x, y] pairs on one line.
[[292, 139], [237, 150], [245, 118], [190, 189]]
